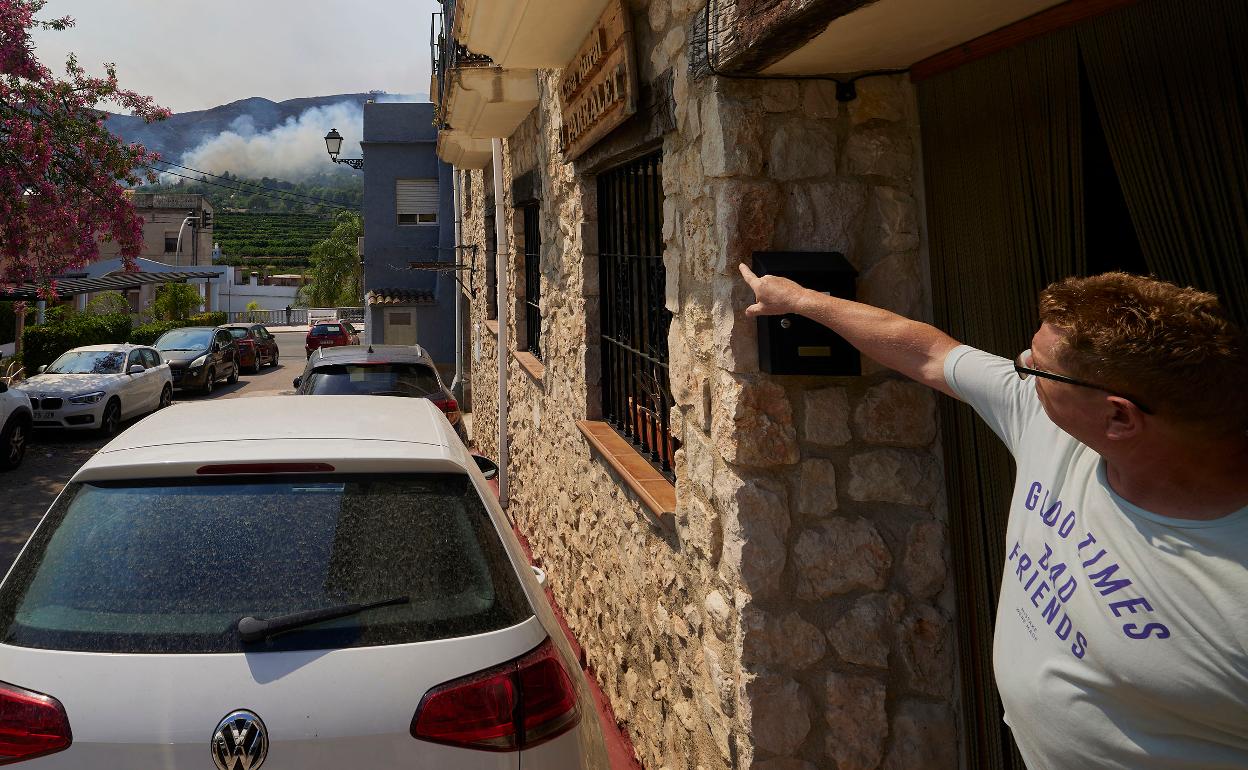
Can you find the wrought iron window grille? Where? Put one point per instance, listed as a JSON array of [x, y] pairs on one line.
[[636, 389]]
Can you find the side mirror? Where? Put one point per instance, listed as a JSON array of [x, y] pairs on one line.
[[488, 467], [137, 369], [4, 386], [297, 381], [541, 576], [42, 369]]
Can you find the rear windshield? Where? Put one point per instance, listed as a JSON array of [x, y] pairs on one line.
[[184, 339], [170, 566], [326, 329], [414, 380], [239, 333]]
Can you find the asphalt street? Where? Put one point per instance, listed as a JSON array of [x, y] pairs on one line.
[[54, 456]]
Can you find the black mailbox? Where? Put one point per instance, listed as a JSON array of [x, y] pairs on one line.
[[792, 344]]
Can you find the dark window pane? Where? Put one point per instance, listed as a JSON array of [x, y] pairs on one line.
[[415, 380]]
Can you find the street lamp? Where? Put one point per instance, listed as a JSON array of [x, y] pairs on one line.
[[333, 143]]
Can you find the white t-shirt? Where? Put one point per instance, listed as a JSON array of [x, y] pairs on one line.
[[1121, 635]]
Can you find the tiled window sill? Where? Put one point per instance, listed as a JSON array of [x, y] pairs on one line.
[[658, 494], [531, 364], [492, 325]]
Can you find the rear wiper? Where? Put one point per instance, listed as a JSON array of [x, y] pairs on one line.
[[253, 629]]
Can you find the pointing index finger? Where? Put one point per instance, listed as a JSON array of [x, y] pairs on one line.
[[748, 274]]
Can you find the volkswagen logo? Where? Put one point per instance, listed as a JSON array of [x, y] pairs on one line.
[[241, 742]]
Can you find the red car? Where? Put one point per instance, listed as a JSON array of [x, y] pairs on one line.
[[330, 334], [256, 346]]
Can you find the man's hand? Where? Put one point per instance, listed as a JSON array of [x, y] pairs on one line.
[[773, 295]]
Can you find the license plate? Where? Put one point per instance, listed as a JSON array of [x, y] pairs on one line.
[[45, 415]]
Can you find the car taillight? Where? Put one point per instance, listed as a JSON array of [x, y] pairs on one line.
[[511, 707], [450, 407], [31, 725]]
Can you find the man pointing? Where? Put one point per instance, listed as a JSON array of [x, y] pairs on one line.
[[1122, 629]]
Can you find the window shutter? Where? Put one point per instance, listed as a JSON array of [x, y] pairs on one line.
[[417, 196]]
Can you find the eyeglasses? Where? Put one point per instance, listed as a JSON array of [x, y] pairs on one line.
[[1024, 370]]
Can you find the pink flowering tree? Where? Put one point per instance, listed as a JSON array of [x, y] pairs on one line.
[[62, 174]]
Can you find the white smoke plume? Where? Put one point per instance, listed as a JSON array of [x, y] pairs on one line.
[[292, 151]]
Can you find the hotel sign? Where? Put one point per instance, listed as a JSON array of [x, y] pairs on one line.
[[598, 90]]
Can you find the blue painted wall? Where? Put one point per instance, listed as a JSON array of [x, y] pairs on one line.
[[400, 142]]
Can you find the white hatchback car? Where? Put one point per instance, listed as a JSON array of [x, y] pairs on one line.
[[288, 582], [98, 386]]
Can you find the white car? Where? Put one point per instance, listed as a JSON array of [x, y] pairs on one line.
[[15, 419], [315, 582], [98, 386]]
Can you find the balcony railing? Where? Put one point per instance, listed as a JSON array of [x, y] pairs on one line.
[[447, 55]]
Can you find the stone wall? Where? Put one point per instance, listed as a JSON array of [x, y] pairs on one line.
[[797, 612]]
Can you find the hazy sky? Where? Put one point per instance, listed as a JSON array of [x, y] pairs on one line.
[[195, 54]]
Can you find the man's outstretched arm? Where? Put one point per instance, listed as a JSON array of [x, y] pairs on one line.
[[913, 348]]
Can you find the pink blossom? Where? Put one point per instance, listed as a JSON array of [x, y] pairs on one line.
[[62, 174]]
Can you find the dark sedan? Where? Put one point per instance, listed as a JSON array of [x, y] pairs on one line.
[[199, 356]]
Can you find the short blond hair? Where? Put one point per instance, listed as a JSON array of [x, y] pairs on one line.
[[1174, 348]]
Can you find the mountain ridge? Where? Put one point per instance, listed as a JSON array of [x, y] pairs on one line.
[[184, 131]]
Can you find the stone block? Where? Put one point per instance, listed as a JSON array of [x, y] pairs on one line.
[[802, 149], [893, 283], [753, 422], [700, 529], [816, 488], [819, 99], [857, 722], [864, 634], [657, 14], [881, 98], [890, 223], [756, 523], [732, 144], [821, 216], [826, 414], [735, 335], [897, 413], [926, 650], [839, 556], [877, 150], [760, 96], [923, 567], [894, 476], [779, 714], [745, 219], [719, 613], [924, 735], [787, 642]]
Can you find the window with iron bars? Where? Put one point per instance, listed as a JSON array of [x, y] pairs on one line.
[[636, 390], [532, 280]]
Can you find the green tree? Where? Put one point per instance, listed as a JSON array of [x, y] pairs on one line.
[[108, 303], [175, 302], [336, 278]]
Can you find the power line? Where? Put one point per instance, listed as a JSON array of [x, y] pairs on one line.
[[330, 204], [248, 184]]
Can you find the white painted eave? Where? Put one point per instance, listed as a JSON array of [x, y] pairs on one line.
[[489, 102], [527, 34], [894, 34], [462, 151]]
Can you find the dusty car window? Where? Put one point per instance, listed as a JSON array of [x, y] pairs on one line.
[[184, 339], [326, 329], [88, 362], [170, 566], [238, 333], [413, 380]]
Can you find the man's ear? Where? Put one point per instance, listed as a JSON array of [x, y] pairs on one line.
[[1124, 419]]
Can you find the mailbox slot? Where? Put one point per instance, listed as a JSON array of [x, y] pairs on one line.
[[793, 344]]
